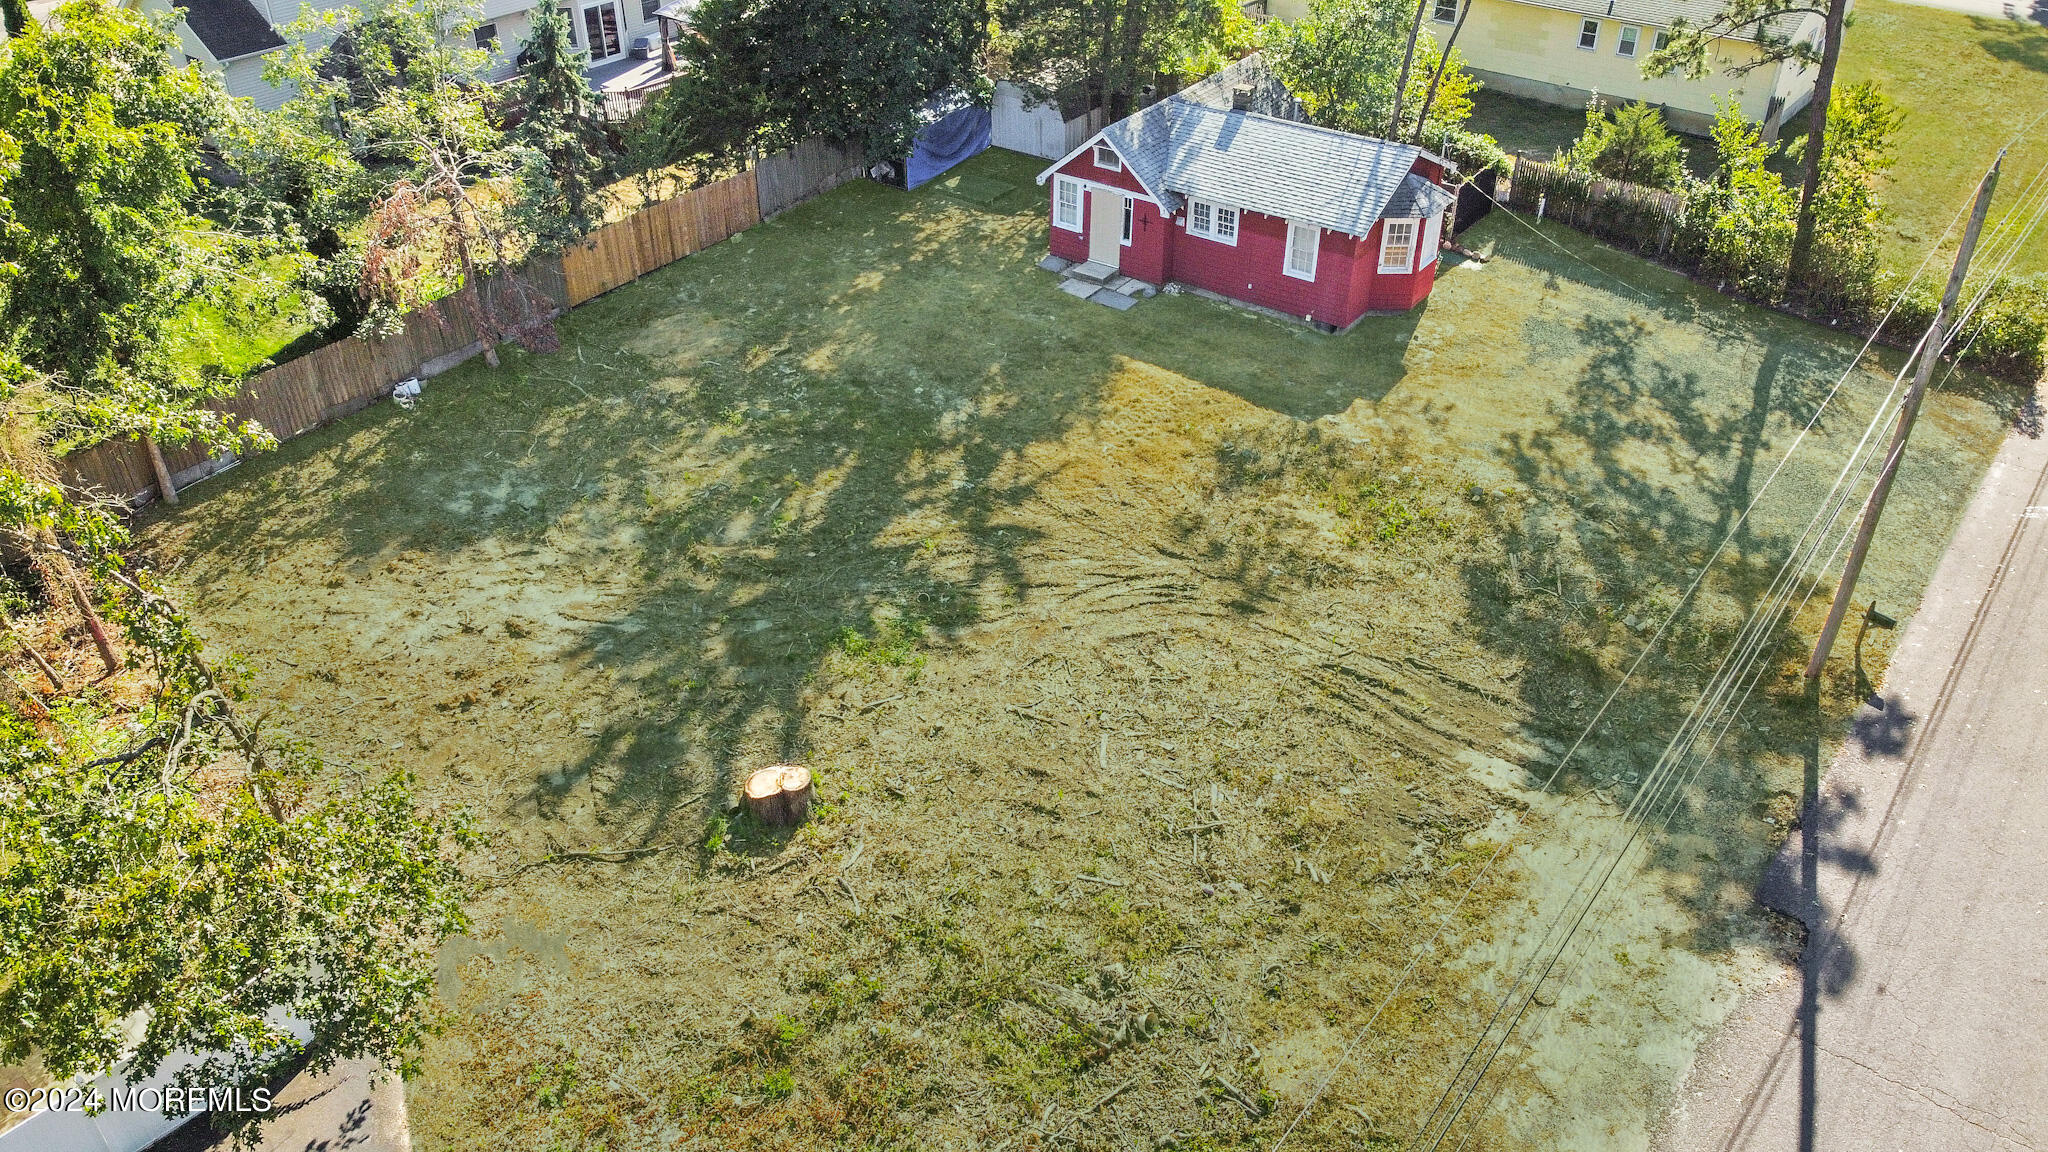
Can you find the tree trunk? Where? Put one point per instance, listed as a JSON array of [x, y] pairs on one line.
[[93, 624], [1407, 62], [56, 681], [1816, 142], [1422, 117], [164, 487]]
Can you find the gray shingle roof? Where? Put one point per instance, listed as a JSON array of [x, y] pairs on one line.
[[1269, 94], [229, 28], [1417, 197], [1180, 149]]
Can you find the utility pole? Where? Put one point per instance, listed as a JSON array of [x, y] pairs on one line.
[[1938, 336]]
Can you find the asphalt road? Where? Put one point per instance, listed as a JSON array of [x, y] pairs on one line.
[[1918, 1016]]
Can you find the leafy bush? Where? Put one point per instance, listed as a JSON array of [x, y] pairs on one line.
[[1473, 152], [1630, 144], [1739, 228], [2005, 336]]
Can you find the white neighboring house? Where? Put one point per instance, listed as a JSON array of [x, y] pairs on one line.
[[622, 37]]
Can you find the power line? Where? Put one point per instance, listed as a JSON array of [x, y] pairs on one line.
[[1749, 673], [1650, 645]]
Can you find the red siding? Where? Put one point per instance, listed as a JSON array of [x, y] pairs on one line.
[[1251, 270], [1083, 167], [1348, 282]]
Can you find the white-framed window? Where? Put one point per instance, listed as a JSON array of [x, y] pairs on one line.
[[1625, 45], [1302, 242], [1066, 203], [1397, 246], [647, 10], [1130, 217], [1660, 41], [1444, 11], [1107, 159], [569, 14], [1589, 34], [1213, 221]]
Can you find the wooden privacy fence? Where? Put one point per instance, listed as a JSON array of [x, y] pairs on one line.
[[659, 235], [812, 168], [348, 375], [322, 386]]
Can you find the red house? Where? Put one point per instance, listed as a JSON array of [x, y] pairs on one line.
[[1219, 188]]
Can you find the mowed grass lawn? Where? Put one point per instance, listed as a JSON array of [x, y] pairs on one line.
[[1969, 84], [1167, 676]]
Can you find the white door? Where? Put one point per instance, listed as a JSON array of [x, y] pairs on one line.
[[601, 31], [1105, 227]]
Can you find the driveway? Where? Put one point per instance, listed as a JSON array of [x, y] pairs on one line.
[[1916, 1019], [351, 1107], [2034, 10]]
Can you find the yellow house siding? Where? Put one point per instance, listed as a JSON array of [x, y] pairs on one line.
[[1532, 51]]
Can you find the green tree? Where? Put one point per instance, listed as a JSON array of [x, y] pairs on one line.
[[1842, 272], [564, 171], [163, 866], [1741, 224], [769, 73], [1102, 53], [104, 248], [14, 17], [397, 90], [1345, 58], [1630, 144], [1690, 49]]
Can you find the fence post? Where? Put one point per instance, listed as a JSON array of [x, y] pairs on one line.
[[1541, 200]]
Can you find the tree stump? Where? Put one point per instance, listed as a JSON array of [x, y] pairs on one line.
[[764, 796], [780, 794], [796, 793]]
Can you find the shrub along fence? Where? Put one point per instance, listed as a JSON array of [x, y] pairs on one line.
[[1627, 216], [2007, 337], [349, 375]]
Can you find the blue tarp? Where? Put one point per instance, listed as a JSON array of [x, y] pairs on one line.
[[959, 129]]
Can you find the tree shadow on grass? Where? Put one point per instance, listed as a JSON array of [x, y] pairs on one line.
[[1645, 468], [2015, 41]]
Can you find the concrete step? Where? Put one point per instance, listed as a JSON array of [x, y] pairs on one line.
[[1093, 272]]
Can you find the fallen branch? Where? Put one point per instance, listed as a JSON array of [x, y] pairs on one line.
[[597, 855], [1100, 880]]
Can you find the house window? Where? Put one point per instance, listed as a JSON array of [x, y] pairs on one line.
[[1661, 42], [648, 8], [487, 36], [1106, 158], [1213, 221], [1444, 11], [1589, 34], [569, 15], [1302, 241], [1626, 45], [1397, 246], [1066, 204], [1130, 212]]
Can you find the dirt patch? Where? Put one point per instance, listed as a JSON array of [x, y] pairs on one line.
[[1168, 676]]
